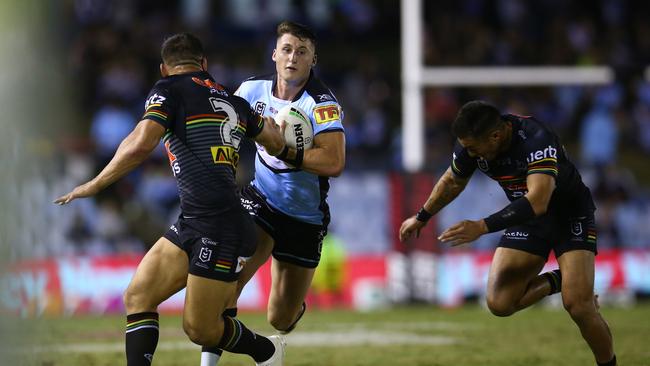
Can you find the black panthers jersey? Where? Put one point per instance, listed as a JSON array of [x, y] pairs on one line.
[[534, 149], [205, 126]]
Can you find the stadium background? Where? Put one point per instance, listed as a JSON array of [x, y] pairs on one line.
[[75, 74]]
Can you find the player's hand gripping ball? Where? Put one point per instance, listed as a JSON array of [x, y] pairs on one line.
[[298, 132]]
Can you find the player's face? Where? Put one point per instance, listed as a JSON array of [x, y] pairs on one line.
[[293, 58], [486, 147]]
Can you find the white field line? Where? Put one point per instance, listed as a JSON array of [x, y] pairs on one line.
[[299, 339]]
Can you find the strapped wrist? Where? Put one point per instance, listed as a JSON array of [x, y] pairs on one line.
[[423, 215]]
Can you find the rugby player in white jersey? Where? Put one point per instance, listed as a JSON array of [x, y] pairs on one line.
[[287, 197]]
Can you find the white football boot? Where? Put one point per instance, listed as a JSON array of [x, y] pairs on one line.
[[278, 356]]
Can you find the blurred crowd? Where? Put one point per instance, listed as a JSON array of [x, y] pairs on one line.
[[113, 56]]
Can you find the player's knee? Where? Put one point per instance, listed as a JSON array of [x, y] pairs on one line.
[[279, 321], [579, 307], [499, 307], [201, 334], [136, 301]]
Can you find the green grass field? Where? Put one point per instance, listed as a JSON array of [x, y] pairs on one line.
[[405, 336]]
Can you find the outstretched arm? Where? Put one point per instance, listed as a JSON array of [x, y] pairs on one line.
[[445, 190], [534, 203], [133, 150]]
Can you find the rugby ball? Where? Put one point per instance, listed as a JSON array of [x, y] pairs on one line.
[[298, 132]]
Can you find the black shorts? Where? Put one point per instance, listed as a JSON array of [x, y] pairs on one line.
[[547, 232], [217, 246], [296, 242]]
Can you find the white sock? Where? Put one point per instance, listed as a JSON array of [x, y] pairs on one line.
[[209, 359]]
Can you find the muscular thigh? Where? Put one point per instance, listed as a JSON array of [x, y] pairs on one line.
[[161, 273], [511, 271], [206, 299], [577, 267]]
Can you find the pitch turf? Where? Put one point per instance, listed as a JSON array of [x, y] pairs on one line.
[[414, 336]]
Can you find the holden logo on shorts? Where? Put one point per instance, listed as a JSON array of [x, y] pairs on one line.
[[576, 228], [205, 254]]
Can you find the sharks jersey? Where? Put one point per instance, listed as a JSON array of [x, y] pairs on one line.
[[294, 192], [534, 149]]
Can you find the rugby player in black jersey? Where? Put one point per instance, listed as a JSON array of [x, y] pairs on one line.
[[550, 208], [202, 126]]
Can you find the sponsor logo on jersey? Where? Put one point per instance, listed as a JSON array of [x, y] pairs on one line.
[[325, 98], [260, 107], [214, 87], [548, 152], [173, 162], [326, 113], [225, 155], [154, 99]]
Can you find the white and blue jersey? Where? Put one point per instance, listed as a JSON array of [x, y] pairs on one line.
[[294, 192]]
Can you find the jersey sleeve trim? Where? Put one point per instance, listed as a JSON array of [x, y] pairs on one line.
[[334, 129], [543, 166]]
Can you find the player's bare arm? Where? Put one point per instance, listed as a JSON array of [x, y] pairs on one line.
[[271, 137], [133, 150], [534, 203], [445, 190], [326, 157]]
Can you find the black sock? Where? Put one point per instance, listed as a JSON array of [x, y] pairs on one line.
[[612, 362], [239, 339], [554, 278], [231, 312], [141, 338]]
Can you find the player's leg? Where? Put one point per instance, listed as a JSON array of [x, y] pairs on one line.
[[210, 355], [220, 248], [513, 281], [161, 273], [577, 268], [296, 254], [288, 291], [203, 322]]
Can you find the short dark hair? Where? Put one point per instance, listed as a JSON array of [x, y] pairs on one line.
[[296, 29], [181, 48], [475, 119]]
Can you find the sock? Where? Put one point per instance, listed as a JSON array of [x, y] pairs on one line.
[[239, 339], [210, 355], [293, 325], [554, 278], [612, 362], [141, 338]]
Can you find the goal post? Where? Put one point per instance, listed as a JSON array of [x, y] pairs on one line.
[[416, 76]]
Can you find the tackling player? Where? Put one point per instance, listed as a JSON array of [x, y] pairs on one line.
[[550, 208], [288, 202], [202, 126]]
